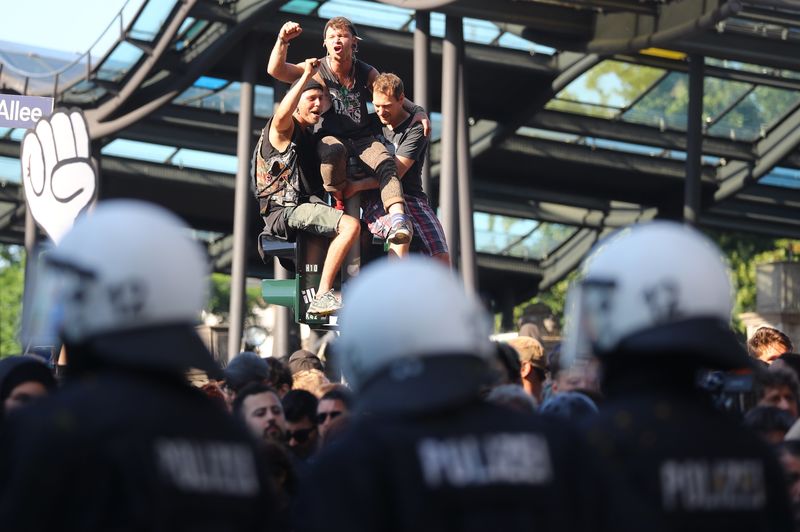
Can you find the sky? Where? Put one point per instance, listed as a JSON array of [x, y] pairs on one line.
[[41, 22]]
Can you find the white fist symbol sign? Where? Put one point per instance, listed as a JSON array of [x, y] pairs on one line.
[[59, 176]]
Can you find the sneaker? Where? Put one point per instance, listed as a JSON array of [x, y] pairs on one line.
[[325, 304], [401, 232]]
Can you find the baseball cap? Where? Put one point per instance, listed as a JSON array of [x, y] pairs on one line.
[[302, 359]]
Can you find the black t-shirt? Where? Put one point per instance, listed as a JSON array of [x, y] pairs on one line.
[[301, 153], [348, 116], [409, 141]]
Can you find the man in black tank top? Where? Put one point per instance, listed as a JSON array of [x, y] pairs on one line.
[[287, 183], [346, 127]]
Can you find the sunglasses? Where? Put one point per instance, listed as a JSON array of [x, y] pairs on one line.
[[300, 435], [321, 417]]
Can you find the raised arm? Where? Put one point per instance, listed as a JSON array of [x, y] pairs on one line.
[[282, 126], [277, 67]]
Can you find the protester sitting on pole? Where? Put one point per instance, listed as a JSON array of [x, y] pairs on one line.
[[346, 126], [408, 144], [289, 187]]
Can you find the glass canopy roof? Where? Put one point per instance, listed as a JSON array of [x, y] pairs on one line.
[[658, 97]]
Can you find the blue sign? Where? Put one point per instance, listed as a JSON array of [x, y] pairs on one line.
[[23, 111]]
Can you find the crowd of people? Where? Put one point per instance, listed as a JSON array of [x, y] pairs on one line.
[[650, 414]]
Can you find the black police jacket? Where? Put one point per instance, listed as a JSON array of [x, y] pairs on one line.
[[474, 467], [683, 465], [122, 452]]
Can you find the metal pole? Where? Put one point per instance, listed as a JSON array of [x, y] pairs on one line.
[[694, 140], [352, 261], [466, 231], [242, 196], [422, 52], [284, 318], [449, 166]]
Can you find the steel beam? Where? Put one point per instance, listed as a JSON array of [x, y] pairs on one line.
[[422, 52], [588, 126], [778, 144], [448, 183], [243, 199], [694, 140]]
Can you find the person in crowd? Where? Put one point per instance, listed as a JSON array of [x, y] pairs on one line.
[[530, 329], [788, 361], [423, 449], [533, 367], [512, 396], [244, 368], [128, 443], [569, 405], [302, 435], [260, 407], [288, 184], [790, 459], [280, 377], [408, 145], [506, 365], [303, 359], [768, 343], [23, 379], [333, 403], [283, 474], [310, 380], [653, 303], [769, 422], [778, 387], [215, 392], [581, 374], [347, 127]]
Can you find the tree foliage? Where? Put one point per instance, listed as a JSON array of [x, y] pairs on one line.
[[220, 296], [12, 277]]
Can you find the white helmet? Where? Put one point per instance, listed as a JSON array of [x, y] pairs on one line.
[[659, 288], [410, 323], [126, 284]]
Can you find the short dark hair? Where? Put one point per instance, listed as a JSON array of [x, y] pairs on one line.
[[340, 23], [764, 337], [774, 378], [340, 393], [254, 388], [279, 373], [299, 404]]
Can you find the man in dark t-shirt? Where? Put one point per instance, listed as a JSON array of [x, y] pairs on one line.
[[408, 144], [288, 183]]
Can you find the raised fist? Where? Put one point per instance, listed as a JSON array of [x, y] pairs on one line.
[[59, 176], [289, 31]]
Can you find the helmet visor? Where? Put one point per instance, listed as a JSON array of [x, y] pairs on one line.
[[52, 287], [588, 326]]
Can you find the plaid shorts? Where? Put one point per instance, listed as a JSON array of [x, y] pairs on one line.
[[426, 225]]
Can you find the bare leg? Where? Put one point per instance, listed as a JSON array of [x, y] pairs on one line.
[[347, 233], [398, 251]]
